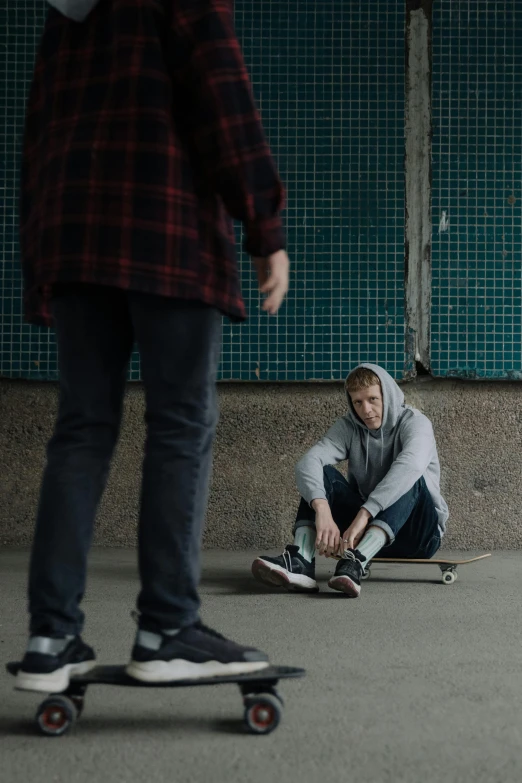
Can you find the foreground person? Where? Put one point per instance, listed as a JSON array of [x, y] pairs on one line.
[[141, 134]]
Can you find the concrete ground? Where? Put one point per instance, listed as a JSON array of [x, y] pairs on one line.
[[413, 682]]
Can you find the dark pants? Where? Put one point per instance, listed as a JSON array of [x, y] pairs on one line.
[[179, 344], [411, 523]]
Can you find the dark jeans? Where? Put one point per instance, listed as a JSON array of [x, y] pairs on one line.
[[411, 523], [179, 344]]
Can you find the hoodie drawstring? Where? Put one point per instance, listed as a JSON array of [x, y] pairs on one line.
[[368, 447]]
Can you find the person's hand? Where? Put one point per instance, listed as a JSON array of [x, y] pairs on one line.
[[272, 274], [356, 531], [327, 533]]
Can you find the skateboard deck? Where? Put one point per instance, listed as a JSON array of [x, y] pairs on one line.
[[262, 702], [448, 566]]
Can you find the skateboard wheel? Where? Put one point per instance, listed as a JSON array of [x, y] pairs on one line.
[[366, 575], [448, 577], [56, 715], [262, 713]]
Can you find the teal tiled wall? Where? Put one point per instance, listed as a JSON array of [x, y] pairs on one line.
[[329, 80], [24, 351], [477, 161]]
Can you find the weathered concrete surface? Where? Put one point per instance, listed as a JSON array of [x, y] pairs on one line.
[[263, 431], [412, 682]]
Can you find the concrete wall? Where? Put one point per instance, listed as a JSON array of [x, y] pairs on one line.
[[263, 431]]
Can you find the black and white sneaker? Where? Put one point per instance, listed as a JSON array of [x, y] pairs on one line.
[[348, 573], [193, 653], [49, 663], [289, 570]]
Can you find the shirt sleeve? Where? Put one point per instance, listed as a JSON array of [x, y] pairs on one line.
[[331, 449], [226, 126], [418, 442]]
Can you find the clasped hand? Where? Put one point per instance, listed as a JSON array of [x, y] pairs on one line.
[[329, 541]]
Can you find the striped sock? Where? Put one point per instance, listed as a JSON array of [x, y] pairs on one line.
[[305, 539], [372, 542]]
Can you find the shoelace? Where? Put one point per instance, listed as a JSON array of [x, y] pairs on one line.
[[288, 560], [209, 631], [354, 556]]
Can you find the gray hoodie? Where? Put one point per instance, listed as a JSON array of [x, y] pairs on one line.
[[383, 464]]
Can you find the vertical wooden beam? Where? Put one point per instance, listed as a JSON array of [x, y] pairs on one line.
[[417, 168]]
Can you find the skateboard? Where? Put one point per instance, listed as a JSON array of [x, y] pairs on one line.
[[448, 567], [263, 705]]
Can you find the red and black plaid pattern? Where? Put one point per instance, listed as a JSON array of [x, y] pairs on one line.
[[142, 139]]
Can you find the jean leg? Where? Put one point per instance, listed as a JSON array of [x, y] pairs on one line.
[[94, 338], [416, 535], [180, 344], [344, 502], [305, 516]]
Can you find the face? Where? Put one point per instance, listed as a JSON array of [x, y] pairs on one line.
[[368, 406]]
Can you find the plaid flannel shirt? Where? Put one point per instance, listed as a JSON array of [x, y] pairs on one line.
[[142, 140]]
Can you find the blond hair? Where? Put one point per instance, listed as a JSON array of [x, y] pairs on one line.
[[361, 378]]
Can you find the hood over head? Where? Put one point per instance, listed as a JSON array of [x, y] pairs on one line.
[[392, 401]]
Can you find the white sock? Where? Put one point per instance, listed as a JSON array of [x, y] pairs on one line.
[[151, 640], [372, 542], [305, 539], [48, 645]]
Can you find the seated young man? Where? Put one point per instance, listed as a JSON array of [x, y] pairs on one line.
[[391, 500]]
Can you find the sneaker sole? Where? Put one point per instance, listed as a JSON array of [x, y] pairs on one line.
[[54, 682], [345, 585], [276, 576], [179, 669]]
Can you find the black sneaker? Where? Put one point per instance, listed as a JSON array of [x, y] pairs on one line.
[[193, 653], [289, 570], [49, 663], [347, 577]]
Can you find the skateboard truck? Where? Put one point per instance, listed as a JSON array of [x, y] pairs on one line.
[[449, 573]]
